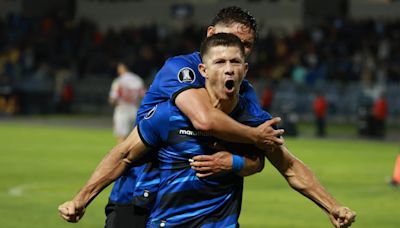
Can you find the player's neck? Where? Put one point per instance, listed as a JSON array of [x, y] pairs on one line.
[[225, 105]]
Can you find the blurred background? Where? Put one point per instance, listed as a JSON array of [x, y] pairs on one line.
[[330, 69], [60, 56]]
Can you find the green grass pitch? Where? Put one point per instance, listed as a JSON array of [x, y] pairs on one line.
[[42, 166]]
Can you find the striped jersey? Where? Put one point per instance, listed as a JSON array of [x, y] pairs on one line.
[[139, 185], [184, 200]]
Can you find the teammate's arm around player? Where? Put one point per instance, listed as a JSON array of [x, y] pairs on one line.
[[302, 179], [109, 169], [113, 166], [195, 104]]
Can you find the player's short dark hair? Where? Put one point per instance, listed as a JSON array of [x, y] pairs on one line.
[[234, 14], [221, 39]]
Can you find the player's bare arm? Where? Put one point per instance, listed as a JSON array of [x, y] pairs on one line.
[[220, 162], [109, 169], [302, 179], [195, 104]]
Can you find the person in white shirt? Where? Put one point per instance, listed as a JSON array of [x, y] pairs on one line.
[[126, 92]]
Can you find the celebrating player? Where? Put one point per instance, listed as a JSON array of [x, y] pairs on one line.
[[179, 80], [184, 199]]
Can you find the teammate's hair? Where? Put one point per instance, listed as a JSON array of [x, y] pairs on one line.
[[236, 14], [221, 39]]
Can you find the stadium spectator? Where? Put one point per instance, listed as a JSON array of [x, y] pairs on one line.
[[342, 51], [67, 97], [267, 98], [63, 90], [126, 92], [352, 48], [320, 108], [224, 69], [379, 115]]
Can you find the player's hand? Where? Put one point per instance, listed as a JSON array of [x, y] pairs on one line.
[[71, 211], [208, 165], [267, 135], [342, 217]]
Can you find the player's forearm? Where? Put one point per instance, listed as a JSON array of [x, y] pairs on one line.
[[300, 177], [113, 101], [224, 127], [110, 168], [252, 166], [196, 105], [303, 180]]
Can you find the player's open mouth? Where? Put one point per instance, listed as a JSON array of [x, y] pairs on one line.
[[230, 85]]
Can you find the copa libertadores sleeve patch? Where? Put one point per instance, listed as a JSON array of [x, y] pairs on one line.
[[186, 75]]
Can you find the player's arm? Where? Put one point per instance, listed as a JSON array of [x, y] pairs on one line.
[[109, 169], [195, 104], [223, 161], [113, 95], [302, 179], [253, 163]]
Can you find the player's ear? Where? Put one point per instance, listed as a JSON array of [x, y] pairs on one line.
[[202, 69], [210, 31]]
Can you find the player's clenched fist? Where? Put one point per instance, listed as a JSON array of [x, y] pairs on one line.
[[342, 217], [70, 211]]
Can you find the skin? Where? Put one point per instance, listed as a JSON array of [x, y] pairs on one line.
[[229, 63], [195, 104], [122, 155], [223, 61], [220, 66], [204, 116]]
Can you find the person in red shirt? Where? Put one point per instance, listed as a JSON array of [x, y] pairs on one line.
[[67, 97], [379, 114], [320, 107], [266, 98]]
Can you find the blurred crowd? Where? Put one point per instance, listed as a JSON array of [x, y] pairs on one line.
[[48, 55]]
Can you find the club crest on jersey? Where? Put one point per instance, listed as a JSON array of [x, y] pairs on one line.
[[186, 75], [150, 113]]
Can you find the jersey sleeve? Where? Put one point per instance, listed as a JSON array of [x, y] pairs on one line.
[[247, 91], [114, 90], [153, 127], [177, 75]]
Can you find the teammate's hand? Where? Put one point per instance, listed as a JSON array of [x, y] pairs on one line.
[[342, 217], [267, 135], [207, 165], [71, 211]]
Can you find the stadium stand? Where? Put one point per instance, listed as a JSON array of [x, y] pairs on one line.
[[352, 61]]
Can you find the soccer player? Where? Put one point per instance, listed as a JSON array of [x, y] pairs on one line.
[[180, 81], [126, 92], [184, 200]]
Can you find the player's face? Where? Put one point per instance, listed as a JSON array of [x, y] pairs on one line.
[[224, 67], [244, 33]]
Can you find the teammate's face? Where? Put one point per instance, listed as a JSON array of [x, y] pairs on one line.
[[244, 33], [224, 68]]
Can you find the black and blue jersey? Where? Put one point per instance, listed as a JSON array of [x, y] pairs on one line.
[[183, 199], [139, 185]]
